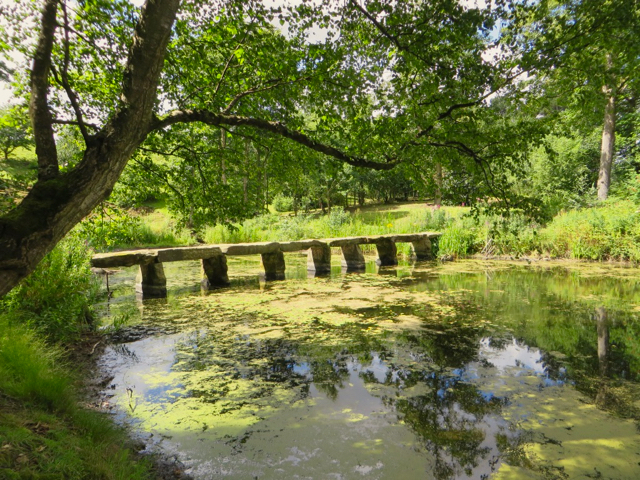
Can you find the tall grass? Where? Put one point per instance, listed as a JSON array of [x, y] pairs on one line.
[[607, 231], [56, 298], [44, 432], [338, 223]]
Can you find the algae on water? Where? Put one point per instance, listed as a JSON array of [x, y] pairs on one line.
[[461, 370]]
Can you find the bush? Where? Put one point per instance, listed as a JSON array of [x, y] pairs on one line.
[[433, 220], [513, 235], [57, 297], [110, 226], [337, 219], [608, 231], [282, 203]]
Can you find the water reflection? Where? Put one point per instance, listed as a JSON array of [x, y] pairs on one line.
[[436, 374]]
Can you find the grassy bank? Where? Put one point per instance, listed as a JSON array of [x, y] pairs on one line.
[[607, 231], [45, 433]]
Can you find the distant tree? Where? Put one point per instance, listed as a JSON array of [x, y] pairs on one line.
[[586, 56], [14, 131]]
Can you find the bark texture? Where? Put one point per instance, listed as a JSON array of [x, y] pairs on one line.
[[608, 137]]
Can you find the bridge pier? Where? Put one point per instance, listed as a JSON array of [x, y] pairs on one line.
[[352, 257], [274, 266], [421, 249], [214, 272], [319, 259], [387, 252], [151, 282]]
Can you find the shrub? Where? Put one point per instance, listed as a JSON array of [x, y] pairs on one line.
[[433, 220], [57, 297], [282, 203], [337, 219], [608, 231]]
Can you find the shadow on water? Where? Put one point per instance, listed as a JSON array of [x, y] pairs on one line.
[[411, 372]]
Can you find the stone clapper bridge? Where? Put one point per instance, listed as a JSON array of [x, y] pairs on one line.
[[152, 283]]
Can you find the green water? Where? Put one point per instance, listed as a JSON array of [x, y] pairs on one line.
[[464, 370]]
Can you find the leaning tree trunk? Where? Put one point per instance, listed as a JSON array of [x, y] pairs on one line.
[[608, 138], [57, 201]]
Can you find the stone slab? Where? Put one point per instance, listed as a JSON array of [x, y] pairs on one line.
[[151, 281], [126, 258], [188, 253], [214, 272], [250, 248], [346, 241], [274, 266], [298, 245]]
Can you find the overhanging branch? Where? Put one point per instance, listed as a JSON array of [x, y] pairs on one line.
[[210, 118]]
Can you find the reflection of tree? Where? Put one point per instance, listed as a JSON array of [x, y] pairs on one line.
[[447, 419], [450, 418], [329, 375], [602, 328], [603, 340]]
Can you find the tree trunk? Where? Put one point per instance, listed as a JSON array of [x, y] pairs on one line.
[[438, 180], [56, 203], [608, 139], [223, 146], [245, 178], [266, 183]]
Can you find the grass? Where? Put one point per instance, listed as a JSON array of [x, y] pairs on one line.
[[44, 433], [370, 220], [608, 231]]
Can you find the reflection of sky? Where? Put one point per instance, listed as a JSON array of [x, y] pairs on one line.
[[513, 355], [510, 360]]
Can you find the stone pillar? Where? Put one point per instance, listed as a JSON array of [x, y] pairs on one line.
[[421, 249], [273, 264], [319, 259], [151, 282], [214, 272], [352, 257], [387, 252]]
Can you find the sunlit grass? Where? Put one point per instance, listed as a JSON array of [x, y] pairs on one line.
[[44, 433]]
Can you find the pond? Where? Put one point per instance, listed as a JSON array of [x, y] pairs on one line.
[[464, 370]]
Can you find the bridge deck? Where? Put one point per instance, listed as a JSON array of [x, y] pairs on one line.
[[152, 282]]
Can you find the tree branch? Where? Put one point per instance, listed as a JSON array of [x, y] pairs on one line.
[[271, 84], [210, 118], [38, 105], [58, 121], [64, 75]]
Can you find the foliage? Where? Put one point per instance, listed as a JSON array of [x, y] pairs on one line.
[[57, 297], [564, 170], [458, 240], [14, 131], [110, 227], [282, 203], [433, 220], [604, 232]]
